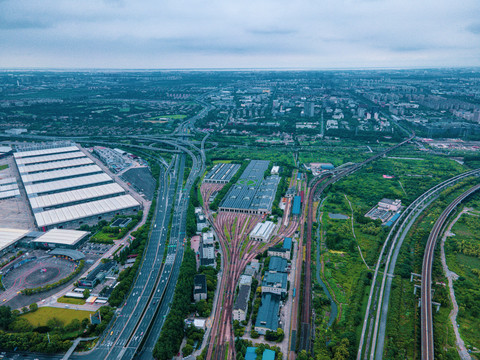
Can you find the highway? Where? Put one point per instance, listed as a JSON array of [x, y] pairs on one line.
[[426, 297], [377, 306]]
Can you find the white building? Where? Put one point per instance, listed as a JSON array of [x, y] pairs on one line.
[[262, 231], [390, 205]]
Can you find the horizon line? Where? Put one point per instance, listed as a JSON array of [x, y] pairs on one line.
[[234, 69]]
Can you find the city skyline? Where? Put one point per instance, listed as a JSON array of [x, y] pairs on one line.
[[261, 34]]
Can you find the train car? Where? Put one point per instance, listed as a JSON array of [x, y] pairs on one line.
[[304, 252], [294, 291], [302, 194]]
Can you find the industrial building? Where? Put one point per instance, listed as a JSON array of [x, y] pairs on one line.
[[262, 231], [66, 189], [252, 194], [277, 264], [267, 318], [199, 287], [283, 251], [97, 275], [241, 303], [297, 205], [9, 238], [8, 188], [61, 238], [221, 173], [387, 211], [275, 283]]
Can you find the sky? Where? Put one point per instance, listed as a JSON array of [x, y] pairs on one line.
[[293, 34]]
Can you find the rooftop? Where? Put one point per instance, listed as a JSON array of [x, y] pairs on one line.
[[277, 264], [268, 313], [61, 236], [80, 211], [10, 236], [241, 301], [287, 243]]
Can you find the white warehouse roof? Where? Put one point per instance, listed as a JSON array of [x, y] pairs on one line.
[[80, 211], [49, 158], [61, 237], [54, 165], [58, 174], [10, 236], [22, 154], [263, 230], [75, 195], [67, 183], [9, 180], [9, 194]]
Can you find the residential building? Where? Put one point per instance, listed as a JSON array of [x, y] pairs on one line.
[[241, 303], [199, 287]]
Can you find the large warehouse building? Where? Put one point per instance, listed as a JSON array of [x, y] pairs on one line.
[[221, 173], [252, 194], [66, 189]]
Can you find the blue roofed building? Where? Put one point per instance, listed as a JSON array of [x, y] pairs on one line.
[[287, 243], [297, 205], [274, 283], [268, 354], [250, 354], [267, 318], [277, 264]]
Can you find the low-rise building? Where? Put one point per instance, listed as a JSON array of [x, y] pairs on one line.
[[262, 231], [253, 268], [199, 287], [390, 205], [275, 283], [241, 303], [267, 317], [245, 280], [277, 264]]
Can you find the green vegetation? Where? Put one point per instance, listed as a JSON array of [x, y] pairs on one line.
[[344, 271], [107, 233], [463, 258], [65, 280], [173, 331], [3, 167], [67, 300], [44, 314]]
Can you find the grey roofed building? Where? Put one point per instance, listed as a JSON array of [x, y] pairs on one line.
[[251, 193], [221, 173], [267, 318], [241, 303], [277, 264], [199, 287]]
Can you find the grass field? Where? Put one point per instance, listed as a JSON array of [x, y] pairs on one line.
[[43, 314], [74, 301]]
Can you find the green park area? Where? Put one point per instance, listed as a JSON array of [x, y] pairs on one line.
[[44, 314], [348, 275], [73, 301]]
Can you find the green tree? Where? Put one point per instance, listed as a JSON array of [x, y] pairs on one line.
[[86, 293]]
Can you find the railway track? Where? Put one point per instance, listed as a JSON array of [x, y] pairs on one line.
[[426, 293], [394, 241]]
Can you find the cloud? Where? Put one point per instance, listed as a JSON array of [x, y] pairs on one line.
[[234, 33]]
